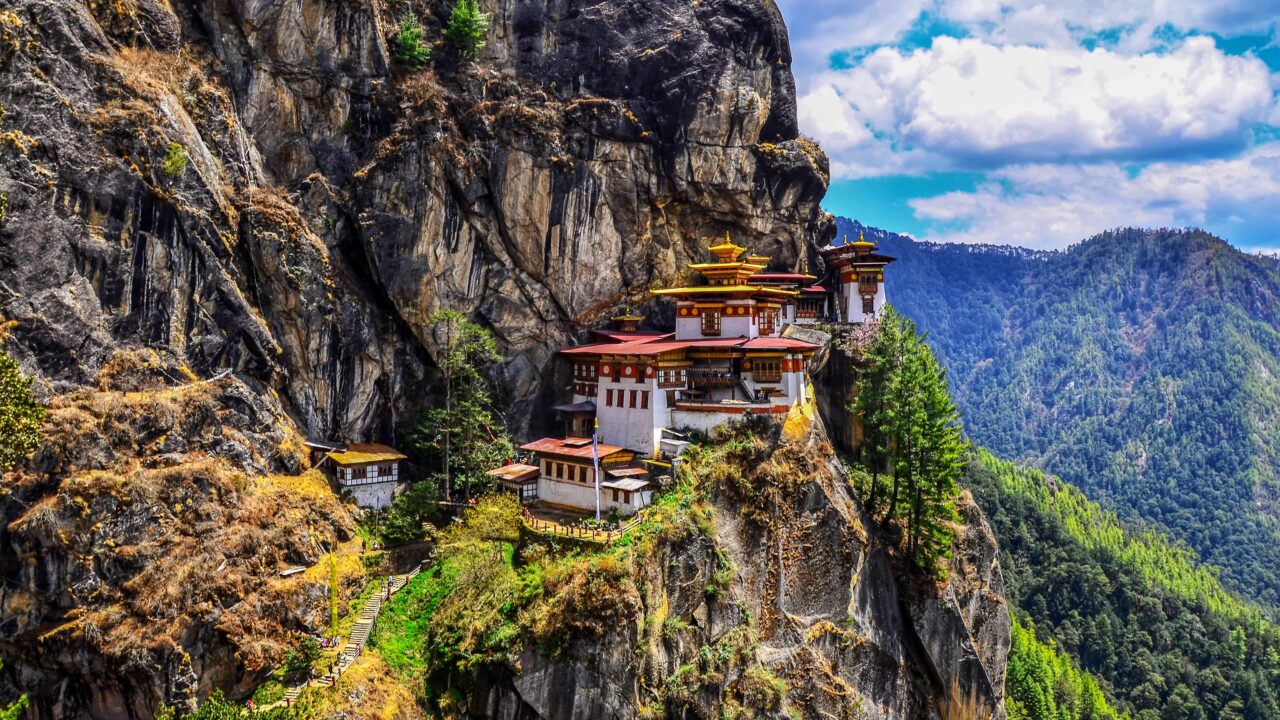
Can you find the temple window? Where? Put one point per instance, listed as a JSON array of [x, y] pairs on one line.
[[710, 322], [766, 370]]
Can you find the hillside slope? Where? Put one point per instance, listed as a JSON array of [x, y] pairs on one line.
[[1141, 614], [1142, 366]]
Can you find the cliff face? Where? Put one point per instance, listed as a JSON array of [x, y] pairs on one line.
[[785, 581], [199, 186], [333, 200]]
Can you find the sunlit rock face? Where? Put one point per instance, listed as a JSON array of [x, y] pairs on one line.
[[330, 200]]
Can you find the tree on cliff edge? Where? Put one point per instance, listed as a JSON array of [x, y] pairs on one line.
[[20, 414], [911, 430], [467, 29]]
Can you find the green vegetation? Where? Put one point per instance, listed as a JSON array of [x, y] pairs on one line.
[[462, 435], [218, 707], [467, 29], [496, 586], [175, 160], [20, 414], [1134, 611], [407, 46], [912, 434], [1141, 366], [1044, 684]]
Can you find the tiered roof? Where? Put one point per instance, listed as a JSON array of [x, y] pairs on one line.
[[731, 275], [862, 252]]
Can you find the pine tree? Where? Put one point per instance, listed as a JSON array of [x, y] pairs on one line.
[[467, 29], [911, 427], [464, 436], [407, 45], [20, 414]]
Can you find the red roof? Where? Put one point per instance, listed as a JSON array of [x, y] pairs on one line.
[[516, 472], [643, 348], [813, 288], [569, 447], [773, 343]]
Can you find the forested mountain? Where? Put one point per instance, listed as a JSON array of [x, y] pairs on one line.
[[1140, 365], [1142, 616]]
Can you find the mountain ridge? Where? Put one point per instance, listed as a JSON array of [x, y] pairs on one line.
[[1137, 364]]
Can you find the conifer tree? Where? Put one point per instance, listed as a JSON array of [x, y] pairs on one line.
[[407, 45], [463, 435], [467, 29], [20, 414], [911, 427]]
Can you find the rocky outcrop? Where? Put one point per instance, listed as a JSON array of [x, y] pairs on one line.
[[325, 201], [142, 553], [784, 587], [258, 192]]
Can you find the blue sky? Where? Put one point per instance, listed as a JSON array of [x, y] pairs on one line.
[[1039, 124]]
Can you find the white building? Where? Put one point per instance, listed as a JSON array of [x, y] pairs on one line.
[[369, 472]]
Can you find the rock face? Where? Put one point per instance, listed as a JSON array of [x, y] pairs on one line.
[[260, 188], [786, 582], [142, 546], [321, 202]]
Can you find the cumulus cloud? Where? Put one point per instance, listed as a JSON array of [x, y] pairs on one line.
[[823, 27], [1052, 206], [982, 105]]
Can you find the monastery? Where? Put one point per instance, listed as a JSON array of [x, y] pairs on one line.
[[730, 355]]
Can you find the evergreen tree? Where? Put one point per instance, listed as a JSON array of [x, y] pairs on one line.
[[463, 436], [20, 414], [467, 29], [911, 427], [407, 45]]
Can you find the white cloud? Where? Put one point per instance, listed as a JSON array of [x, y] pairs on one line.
[[819, 28], [1052, 206], [980, 105]]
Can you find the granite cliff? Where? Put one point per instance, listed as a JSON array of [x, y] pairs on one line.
[[224, 224]]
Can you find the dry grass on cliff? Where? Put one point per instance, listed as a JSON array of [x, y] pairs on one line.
[[154, 522], [153, 74], [370, 690]]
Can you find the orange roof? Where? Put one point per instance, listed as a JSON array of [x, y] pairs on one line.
[[516, 472], [570, 447], [365, 454]]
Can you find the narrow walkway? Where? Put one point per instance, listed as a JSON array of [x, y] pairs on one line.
[[355, 643]]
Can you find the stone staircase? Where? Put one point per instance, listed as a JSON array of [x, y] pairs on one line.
[[355, 643]]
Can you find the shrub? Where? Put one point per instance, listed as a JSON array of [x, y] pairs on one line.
[[303, 655], [467, 29], [20, 414], [175, 160], [761, 689], [407, 45]]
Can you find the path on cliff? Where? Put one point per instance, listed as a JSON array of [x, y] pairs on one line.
[[355, 642]]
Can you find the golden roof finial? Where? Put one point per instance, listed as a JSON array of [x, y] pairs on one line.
[[861, 238]]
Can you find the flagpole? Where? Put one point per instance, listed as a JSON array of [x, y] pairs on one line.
[[595, 456]]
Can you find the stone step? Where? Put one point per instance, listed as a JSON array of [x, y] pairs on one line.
[[359, 637]]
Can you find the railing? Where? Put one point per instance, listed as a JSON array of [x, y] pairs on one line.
[[604, 537]]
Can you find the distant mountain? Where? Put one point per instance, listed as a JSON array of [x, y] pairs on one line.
[[1140, 365]]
